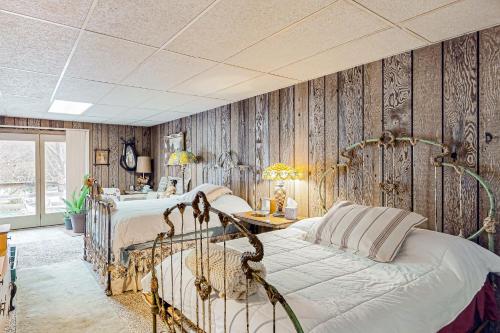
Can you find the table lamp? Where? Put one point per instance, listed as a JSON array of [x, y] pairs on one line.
[[143, 166], [280, 172], [182, 158]]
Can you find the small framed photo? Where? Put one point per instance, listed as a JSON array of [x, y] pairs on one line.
[[173, 143], [101, 157]]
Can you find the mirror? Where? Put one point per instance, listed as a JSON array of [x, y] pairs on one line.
[[128, 159]]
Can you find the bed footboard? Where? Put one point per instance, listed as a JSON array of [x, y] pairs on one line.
[[173, 315], [97, 234]]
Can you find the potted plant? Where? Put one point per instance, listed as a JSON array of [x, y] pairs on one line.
[[67, 221], [76, 207]]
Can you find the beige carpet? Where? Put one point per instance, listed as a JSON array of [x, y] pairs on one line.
[[57, 292]]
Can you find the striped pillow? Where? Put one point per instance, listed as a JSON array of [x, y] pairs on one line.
[[373, 232]]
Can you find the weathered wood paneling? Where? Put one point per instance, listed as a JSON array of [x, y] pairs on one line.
[[489, 118], [427, 122], [397, 118], [301, 147], [331, 137], [460, 130], [274, 131], [287, 133], [261, 146], [316, 142]]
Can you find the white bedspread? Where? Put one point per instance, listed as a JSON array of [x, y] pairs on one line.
[[139, 221], [434, 277]]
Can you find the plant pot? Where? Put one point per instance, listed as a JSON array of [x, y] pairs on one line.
[[78, 223], [67, 223]]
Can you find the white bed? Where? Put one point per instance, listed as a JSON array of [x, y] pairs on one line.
[[140, 221], [433, 278]]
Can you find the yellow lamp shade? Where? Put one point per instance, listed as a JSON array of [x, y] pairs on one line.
[[280, 171], [181, 158]]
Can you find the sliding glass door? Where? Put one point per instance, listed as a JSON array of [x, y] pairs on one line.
[[32, 179]]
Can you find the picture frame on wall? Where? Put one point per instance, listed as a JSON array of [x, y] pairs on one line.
[[172, 143], [101, 156]]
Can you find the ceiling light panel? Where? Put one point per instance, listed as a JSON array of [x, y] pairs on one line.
[[34, 45], [232, 25], [159, 20], [106, 59], [68, 107]]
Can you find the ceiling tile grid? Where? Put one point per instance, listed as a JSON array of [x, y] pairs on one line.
[[154, 61]]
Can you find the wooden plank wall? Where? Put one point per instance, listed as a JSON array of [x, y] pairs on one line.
[[102, 136], [446, 92]]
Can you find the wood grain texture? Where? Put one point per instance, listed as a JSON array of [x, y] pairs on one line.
[[489, 119], [427, 123], [301, 147], [460, 131], [316, 142], [287, 133], [218, 142], [261, 146], [199, 149], [351, 129], [331, 137], [194, 149], [397, 118], [226, 138], [372, 127], [114, 156], [274, 132], [243, 147], [251, 151], [235, 119]]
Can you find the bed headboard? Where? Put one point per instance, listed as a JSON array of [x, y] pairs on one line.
[[225, 163], [388, 145]]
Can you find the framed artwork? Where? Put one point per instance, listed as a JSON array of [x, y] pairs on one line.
[[162, 186], [173, 143], [101, 157]]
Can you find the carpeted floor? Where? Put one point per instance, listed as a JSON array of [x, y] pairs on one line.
[[57, 292]]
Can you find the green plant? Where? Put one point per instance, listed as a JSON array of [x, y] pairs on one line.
[[75, 205]]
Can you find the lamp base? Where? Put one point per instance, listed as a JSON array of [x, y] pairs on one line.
[[279, 196]]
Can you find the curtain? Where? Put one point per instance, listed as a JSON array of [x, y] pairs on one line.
[[77, 159]]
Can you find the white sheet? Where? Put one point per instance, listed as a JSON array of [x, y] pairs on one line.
[[139, 221], [434, 277]]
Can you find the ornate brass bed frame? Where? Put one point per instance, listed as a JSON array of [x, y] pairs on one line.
[[172, 314], [388, 142]]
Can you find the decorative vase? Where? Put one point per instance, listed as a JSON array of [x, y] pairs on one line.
[[78, 223], [67, 223]]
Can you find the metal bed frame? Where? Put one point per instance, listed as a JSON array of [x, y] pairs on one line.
[[172, 314]]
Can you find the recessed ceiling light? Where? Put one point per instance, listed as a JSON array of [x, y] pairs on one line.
[[68, 107]]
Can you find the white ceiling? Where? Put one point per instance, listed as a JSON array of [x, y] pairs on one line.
[[148, 62]]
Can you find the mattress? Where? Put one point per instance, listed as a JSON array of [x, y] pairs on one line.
[[433, 278], [138, 222]]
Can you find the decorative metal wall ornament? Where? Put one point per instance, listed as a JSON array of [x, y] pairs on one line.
[[128, 158]]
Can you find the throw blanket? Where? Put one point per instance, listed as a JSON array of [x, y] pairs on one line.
[[213, 192], [235, 278]]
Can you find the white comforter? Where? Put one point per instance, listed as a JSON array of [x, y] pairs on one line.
[[139, 221], [434, 277]]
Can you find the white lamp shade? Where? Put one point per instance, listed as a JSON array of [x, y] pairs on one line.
[[143, 164]]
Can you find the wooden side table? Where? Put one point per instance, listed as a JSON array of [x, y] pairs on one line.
[[259, 224]]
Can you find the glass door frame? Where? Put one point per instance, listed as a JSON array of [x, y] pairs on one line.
[[47, 218], [27, 221]]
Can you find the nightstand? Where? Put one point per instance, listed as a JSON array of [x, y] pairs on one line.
[[259, 224]]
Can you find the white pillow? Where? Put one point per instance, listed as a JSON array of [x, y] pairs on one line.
[[373, 232]]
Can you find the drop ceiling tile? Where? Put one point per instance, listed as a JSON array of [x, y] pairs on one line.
[[79, 90], [166, 100], [360, 51], [254, 87], [157, 21], [25, 83], [214, 79], [138, 113], [22, 106], [127, 96], [106, 59], [457, 19], [68, 12], [163, 117], [200, 104], [232, 25], [400, 10], [334, 25], [34, 45], [165, 69], [104, 111], [147, 123], [95, 120]]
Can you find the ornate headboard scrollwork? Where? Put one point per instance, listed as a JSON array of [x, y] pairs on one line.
[[387, 142]]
